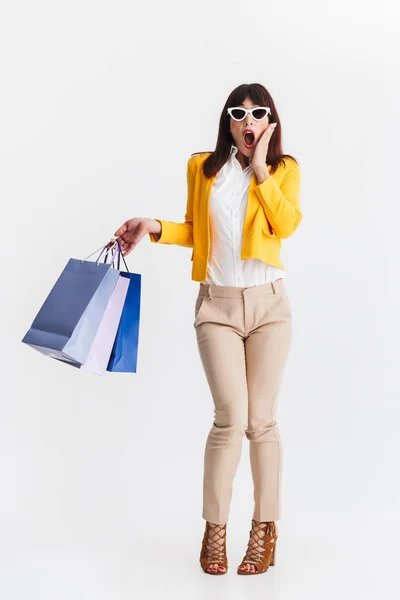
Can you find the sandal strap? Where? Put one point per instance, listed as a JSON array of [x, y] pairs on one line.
[[215, 542], [262, 538]]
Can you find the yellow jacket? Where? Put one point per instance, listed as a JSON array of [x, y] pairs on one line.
[[272, 213]]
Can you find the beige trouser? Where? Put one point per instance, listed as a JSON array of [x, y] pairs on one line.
[[243, 336]]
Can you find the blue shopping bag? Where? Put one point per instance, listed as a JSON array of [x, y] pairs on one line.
[[124, 353], [67, 322]]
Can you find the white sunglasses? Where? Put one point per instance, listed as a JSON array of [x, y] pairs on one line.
[[258, 112]]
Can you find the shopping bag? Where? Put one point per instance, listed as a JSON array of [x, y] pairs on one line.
[[66, 324], [124, 353], [100, 350]]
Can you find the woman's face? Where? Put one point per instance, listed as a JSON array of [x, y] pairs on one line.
[[237, 129]]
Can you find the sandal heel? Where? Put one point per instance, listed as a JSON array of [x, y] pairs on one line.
[[272, 561]]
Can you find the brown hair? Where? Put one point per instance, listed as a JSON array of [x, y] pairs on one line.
[[259, 95]]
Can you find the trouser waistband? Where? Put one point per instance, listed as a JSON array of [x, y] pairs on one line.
[[226, 291]]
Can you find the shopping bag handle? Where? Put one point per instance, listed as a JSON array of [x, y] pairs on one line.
[[123, 257], [114, 252], [102, 248], [119, 251]]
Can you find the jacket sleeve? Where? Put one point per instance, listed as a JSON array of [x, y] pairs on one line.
[[180, 234], [282, 203]]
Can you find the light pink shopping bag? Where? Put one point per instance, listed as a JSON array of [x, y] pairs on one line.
[[100, 350]]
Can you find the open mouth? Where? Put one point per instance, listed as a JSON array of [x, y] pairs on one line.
[[249, 139]]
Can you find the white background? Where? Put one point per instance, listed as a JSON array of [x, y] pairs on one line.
[[101, 105]]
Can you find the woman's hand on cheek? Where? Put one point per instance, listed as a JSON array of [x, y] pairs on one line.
[[260, 151]]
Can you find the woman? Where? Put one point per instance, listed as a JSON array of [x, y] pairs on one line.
[[243, 198]]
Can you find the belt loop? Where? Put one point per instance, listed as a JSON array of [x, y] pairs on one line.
[[273, 287], [209, 291]]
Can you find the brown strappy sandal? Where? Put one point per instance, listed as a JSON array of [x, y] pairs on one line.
[[213, 549], [260, 549]]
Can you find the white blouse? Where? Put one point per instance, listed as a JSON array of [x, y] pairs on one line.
[[228, 202]]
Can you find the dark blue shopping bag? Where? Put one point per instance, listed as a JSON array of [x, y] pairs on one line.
[[124, 354], [67, 322]]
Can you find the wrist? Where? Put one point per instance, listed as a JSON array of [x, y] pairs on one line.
[[261, 172], [154, 226]]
